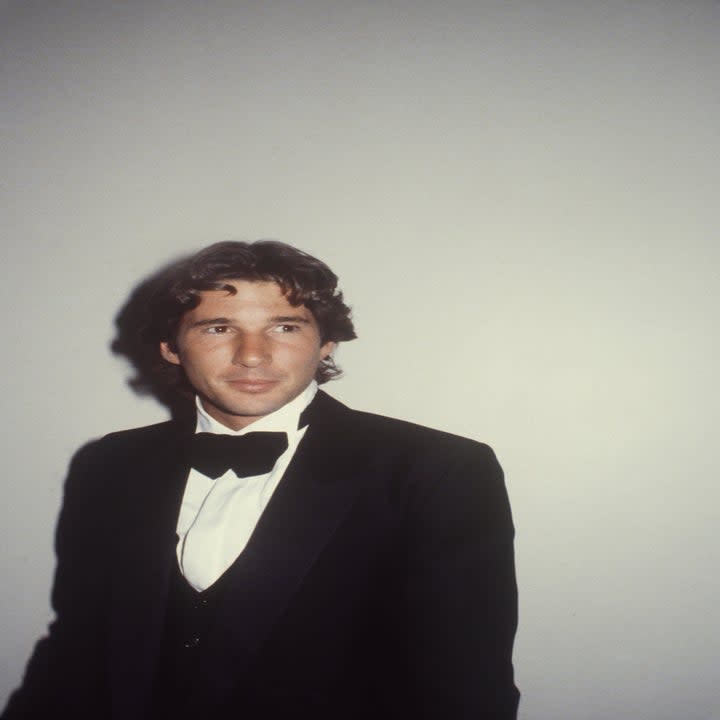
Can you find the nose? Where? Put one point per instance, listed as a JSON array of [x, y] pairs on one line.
[[252, 351]]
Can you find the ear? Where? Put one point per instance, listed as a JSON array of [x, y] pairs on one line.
[[327, 349], [168, 353]]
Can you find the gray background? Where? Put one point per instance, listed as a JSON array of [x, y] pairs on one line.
[[520, 198]]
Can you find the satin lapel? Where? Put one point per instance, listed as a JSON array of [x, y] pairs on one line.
[[306, 508], [145, 557]]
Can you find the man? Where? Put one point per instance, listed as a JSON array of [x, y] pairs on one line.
[[272, 554]]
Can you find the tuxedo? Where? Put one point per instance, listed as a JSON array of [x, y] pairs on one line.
[[379, 582]]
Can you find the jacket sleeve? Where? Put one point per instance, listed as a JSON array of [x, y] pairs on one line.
[[66, 674], [461, 591]]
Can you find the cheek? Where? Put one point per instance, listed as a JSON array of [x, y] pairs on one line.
[[301, 359], [199, 363]]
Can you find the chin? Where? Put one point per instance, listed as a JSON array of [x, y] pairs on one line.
[[257, 409]]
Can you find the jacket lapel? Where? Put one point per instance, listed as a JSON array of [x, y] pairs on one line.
[[314, 495]]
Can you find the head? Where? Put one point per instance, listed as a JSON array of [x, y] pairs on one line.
[[250, 285]]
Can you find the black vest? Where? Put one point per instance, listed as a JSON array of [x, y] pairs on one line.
[[181, 687]]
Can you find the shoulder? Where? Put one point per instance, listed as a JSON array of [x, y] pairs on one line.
[[103, 470], [404, 430], [124, 444], [146, 434], [391, 436], [434, 475]]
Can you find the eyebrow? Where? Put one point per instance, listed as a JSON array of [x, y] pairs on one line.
[[229, 321], [289, 318], [212, 321]]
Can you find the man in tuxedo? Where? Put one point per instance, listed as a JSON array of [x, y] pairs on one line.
[[270, 553]]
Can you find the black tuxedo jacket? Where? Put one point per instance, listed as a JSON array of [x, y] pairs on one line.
[[379, 581]]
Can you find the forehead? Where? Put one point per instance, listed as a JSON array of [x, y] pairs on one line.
[[249, 299]]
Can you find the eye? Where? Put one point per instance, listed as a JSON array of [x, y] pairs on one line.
[[286, 328], [217, 329]]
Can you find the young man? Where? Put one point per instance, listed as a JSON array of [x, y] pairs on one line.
[[272, 553]]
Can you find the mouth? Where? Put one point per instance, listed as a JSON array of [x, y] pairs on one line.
[[252, 386]]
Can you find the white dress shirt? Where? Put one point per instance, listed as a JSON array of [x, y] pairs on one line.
[[217, 517]]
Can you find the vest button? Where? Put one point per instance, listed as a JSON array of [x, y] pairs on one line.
[[191, 643]]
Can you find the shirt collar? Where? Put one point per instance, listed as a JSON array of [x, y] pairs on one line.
[[284, 419]]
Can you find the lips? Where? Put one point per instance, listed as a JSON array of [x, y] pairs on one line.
[[252, 386]]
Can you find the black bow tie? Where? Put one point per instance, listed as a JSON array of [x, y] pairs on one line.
[[251, 454]]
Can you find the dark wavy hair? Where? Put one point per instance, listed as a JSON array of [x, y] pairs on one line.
[[155, 308]]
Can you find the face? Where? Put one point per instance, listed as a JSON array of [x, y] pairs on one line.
[[247, 354]]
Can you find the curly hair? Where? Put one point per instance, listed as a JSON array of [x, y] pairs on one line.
[[154, 310]]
